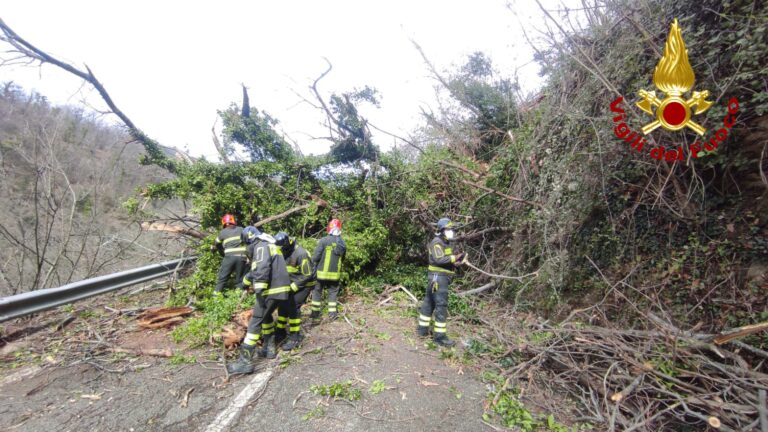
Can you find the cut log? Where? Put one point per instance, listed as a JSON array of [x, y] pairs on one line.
[[158, 226], [163, 317]]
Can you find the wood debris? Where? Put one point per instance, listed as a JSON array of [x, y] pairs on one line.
[[163, 317]]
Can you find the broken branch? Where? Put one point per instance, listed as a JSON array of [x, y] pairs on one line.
[[501, 194]]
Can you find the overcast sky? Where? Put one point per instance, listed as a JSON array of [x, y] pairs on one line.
[[169, 65]]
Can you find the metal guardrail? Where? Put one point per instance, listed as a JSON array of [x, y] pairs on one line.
[[37, 301]]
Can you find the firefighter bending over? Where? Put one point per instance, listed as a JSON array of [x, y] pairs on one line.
[[272, 285]]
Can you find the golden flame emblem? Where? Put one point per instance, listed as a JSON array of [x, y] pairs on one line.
[[674, 76]]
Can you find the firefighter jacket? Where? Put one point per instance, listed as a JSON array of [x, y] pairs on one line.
[[328, 257], [441, 257], [300, 269], [229, 242], [268, 275]]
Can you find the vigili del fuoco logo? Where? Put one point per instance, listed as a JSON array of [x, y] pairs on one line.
[[673, 77]]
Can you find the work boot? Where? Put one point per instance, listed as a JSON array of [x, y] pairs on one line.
[[333, 315], [422, 331], [280, 335], [268, 350], [315, 314], [244, 364], [294, 339], [442, 340]]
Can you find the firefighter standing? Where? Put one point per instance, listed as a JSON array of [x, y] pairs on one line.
[[441, 264], [302, 274], [272, 284], [327, 259], [230, 246]]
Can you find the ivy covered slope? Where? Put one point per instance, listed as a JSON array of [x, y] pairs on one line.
[[687, 239]]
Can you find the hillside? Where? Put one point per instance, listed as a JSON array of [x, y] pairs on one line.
[[66, 174]]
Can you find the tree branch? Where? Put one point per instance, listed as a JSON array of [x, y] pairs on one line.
[[501, 194], [155, 154], [318, 201]]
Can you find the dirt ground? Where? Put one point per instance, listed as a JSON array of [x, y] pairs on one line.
[[55, 379]]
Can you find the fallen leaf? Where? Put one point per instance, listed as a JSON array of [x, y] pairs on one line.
[[402, 394], [730, 228]]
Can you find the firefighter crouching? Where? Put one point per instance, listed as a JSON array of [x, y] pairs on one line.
[[327, 259], [270, 281], [442, 261], [302, 274], [230, 246]]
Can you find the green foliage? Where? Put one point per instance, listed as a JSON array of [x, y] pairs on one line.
[[388, 274], [377, 387], [315, 412], [340, 390], [354, 142], [455, 392], [180, 359], [511, 413], [490, 100], [255, 133], [216, 312]]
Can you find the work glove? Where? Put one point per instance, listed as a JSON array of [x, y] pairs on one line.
[[460, 257]]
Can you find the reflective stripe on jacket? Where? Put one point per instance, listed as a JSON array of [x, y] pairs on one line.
[[328, 257], [441, 257], [268, 275], [300, 268], [229, 241]]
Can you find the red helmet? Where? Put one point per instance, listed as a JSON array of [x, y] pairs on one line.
[[334, 224], [228, 219]]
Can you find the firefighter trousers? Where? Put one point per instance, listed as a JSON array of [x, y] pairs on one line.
[[231, 264], [289, 311], [261, 323], [317, 295], [435, 300]]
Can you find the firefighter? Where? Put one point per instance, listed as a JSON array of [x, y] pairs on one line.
[[270, 281], [327, 260], [231, 247], [302, 274], [442, 261]]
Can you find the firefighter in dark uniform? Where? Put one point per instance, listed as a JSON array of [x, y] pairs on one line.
[[327, 259], [442, 261], [230, 246], [302, 274], [272, 284]]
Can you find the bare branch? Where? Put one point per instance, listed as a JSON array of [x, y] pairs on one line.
[[155, 153]]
